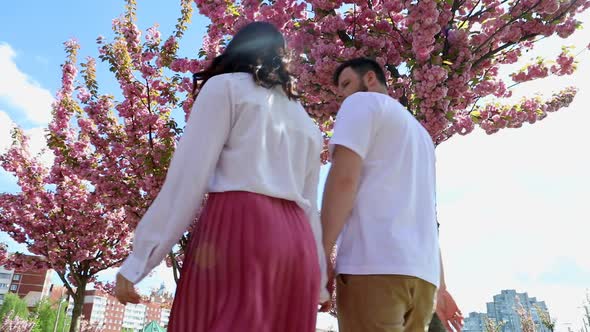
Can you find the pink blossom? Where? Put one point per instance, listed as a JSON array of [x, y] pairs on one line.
[[531, 72], [567, 28], [83, 95], [16, 324], [550, 6], [153, 36], [565, 64]]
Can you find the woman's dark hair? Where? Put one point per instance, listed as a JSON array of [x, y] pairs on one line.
[[258, 49]]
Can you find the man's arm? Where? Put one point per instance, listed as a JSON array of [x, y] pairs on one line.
[[446, 308], [349, 146], [339, 193], [443, 284]]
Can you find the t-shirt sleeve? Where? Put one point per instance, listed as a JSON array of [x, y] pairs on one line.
[[354, 125]]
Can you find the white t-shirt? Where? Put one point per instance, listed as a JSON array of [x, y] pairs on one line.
[[392, 228], [239, 137]]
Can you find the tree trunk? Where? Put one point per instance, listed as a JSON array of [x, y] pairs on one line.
[[78, 305]]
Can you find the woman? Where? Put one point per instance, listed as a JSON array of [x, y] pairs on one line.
[[252, 262]]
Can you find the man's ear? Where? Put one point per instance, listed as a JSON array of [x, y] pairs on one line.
[[370, 79]]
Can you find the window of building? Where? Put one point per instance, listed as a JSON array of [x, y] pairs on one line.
[[2, 285], [16, 277], [13, 287], [4, 275]]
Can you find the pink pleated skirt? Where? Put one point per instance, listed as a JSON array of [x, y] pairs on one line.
[[251, 266]]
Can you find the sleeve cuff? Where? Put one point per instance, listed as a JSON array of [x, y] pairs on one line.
[[132, 269], [349, 145]]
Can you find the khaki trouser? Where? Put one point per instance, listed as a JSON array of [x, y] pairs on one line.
[[384, 303]]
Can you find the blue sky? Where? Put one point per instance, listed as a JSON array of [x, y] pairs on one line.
[[512, 206]]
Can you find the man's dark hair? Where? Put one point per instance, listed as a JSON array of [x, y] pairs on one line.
[[361, 66]]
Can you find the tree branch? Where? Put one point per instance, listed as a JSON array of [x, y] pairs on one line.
[[528, 36], [499, 49], [474, 103], [550, 74], [397, 29], [175, 267], [395, 73], [469, 15], [354, 21], [108, 266], [66, 282], [559, 16], [344, 37], [478, 98], [149, 107], [514, 19], [483, 11]]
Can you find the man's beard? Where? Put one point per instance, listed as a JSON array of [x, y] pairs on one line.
[[363, 87]]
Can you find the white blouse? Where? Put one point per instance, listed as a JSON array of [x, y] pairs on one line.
[[239, 137]]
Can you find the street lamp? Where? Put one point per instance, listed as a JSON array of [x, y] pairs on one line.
[[61, 301]]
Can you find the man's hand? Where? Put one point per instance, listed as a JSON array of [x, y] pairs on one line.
[[125, 291], [448, 311], [326, 306]]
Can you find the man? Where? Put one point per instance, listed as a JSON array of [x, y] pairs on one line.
[[379, 201]]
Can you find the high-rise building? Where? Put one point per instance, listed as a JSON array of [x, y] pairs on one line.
[[475, 322], [503, 311]]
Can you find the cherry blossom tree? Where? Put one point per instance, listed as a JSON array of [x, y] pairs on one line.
[[443, 57], [86, 326], [16, 324]]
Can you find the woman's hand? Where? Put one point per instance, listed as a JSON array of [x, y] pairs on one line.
[[125, 291]]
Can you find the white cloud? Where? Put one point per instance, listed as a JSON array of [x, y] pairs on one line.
[[37, 141], [22, 92], [38, 145], [161, 274], [6, 126], [30, 100]]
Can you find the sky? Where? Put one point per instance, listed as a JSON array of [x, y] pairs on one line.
[[512, 206]]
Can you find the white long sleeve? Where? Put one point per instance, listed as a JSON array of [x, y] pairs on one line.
[[190, 170]]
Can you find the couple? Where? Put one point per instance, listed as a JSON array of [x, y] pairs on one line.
[[258, 260]]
